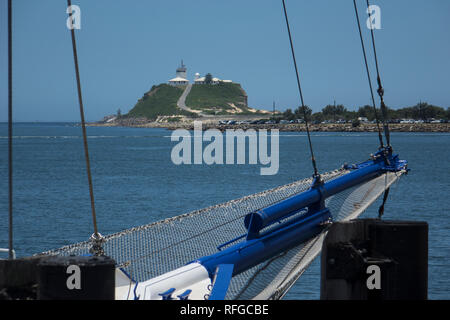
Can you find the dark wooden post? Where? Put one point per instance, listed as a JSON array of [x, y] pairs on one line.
[[371, 259], [76, 278]]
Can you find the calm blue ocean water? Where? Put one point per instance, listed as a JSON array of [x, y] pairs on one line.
[[136, 183]]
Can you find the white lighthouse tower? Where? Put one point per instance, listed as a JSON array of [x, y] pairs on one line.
[[181, 76], [182, 71]]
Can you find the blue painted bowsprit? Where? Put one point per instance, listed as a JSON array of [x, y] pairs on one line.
[[307, 217]]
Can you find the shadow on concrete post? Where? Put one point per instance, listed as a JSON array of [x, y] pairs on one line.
[[371, 259], [58, 278]]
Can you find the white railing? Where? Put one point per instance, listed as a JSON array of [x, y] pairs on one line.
[[7, 250]]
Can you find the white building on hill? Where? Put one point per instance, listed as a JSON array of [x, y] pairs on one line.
[[181, 76], [201, 80]]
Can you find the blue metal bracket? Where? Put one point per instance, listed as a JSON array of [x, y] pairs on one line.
[[390, 162], [136, 296], [220, 247], [249, 253], [256, 221], [185, 295], [168, 294], [224, 273], [318, 184]]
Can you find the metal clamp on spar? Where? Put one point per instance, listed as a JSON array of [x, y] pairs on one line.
[[382, 162], [256, 221], [249, 253]]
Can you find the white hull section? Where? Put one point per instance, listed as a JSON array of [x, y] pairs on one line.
[[192, 277]]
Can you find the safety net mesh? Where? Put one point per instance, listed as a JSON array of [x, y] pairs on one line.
[[151, 250]]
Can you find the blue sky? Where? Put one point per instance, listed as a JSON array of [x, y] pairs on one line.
[[125, 47]]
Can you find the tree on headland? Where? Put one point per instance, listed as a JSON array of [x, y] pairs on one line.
[[425, 111], [119, 113], [420, 111], [317, 117], [288, 115], [366, 112], [369, 113], [299, 114], [334, 111]]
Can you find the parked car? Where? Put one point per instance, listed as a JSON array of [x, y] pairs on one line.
[[363, 119]]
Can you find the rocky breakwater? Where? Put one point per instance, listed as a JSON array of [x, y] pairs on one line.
[[328, 127], [291, 127]]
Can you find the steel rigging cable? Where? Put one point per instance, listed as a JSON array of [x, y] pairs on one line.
[[96, 237], [10, 120], [313, 160], [368, 75], [380, 89], [380, 92]]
